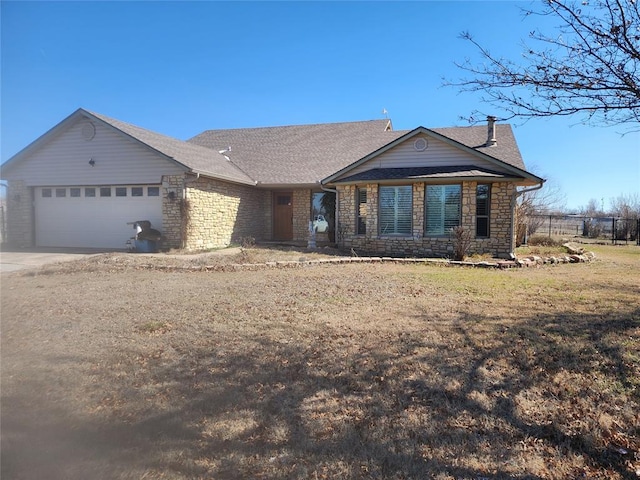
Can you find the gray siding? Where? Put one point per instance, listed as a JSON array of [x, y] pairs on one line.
[[64, 160], [437, 154]]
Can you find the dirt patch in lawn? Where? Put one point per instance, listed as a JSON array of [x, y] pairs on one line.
[[341, 371]]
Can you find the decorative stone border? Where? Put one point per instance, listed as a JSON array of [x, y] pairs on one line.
[[534, 260], [238, 267]]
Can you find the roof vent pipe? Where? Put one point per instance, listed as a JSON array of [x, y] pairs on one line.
[[491, 132]]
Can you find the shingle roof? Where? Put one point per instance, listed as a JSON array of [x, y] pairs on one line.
[[290, 155], [198, 159], [506, 149], [300, 154], [305, 154], [417, 173]]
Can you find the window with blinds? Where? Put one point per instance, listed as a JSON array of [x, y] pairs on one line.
[[442, 209], [483, 196], [361, 197], [395, 206]]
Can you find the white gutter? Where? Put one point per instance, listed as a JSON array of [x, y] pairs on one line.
[[514, 197]]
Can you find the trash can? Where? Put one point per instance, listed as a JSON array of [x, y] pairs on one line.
[[146, 246]]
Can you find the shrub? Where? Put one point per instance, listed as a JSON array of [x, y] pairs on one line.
[[247, 242], [542, 241], [461, 242]]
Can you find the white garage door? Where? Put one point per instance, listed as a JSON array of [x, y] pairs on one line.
[[94, 216]]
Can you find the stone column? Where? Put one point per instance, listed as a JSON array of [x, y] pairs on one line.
[[20, 215]]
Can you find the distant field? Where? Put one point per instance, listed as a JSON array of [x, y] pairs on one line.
[[344, 371]]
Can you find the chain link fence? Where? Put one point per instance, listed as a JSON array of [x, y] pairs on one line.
[[614, 229]]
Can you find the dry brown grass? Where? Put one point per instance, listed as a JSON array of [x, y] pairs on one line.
[[343, 371]]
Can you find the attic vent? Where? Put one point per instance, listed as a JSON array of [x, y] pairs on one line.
[[420, 144], [88, 131]]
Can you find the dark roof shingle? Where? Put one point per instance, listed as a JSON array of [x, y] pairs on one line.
[[299, 154], [306, 154]]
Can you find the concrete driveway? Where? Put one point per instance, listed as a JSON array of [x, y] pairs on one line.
[[14, 260]]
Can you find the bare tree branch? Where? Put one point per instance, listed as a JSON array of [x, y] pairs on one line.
[[591, 68]]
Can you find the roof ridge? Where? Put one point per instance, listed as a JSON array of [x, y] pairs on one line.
[[294, 125]]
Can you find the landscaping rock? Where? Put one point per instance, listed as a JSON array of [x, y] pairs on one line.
[[574, 249]]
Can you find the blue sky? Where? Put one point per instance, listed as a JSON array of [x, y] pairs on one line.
[[179, 68]]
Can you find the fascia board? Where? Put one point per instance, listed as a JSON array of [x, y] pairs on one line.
[[443, 180], [288, 186], [216, 176]]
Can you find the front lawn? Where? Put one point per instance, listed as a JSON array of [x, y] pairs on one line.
[[335, 371]]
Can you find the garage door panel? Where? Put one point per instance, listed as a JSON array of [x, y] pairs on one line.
[[96, 222]]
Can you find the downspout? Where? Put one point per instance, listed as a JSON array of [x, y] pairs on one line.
[[514, 197], [335, 214]]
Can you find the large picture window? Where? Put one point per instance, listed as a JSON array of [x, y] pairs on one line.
[[483, 196], [395, 210], [442, 209]]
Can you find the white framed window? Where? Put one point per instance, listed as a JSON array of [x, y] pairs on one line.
[[442, 209], [483, 200], [395, 210], [361, 201]]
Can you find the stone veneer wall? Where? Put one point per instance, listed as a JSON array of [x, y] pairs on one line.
[[498, 244], [171, 211], [20, 212], [220, 213], [301, 214]]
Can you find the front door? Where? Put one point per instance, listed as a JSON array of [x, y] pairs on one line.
[[283, 216]]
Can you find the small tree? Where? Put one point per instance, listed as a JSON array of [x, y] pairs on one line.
[[592, 228], [533, 205], [627, 209]]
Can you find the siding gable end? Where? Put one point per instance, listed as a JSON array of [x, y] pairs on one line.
[[63, 158], [422, 147], [421, 151]]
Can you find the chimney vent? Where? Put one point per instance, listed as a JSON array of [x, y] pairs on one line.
[[491, 132]]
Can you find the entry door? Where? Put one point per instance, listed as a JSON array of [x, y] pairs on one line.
[[283, 216]]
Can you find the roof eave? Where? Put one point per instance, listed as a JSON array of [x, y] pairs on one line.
[[225, 178], [289, 186], [438, 180]]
